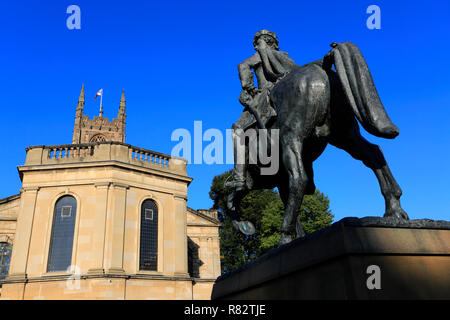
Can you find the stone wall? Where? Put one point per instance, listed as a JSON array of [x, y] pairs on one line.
[[9, 209]]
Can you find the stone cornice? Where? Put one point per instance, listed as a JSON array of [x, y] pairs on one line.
[[109, 163], [29, 189], [65, 277], [10, 198], [106, 184]]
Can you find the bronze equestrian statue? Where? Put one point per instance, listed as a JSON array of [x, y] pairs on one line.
[[311, 106]]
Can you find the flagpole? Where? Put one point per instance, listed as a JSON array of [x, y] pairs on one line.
[[101, 104]]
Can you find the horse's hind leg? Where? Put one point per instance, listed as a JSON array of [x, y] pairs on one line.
[[297, 181], [371, 155]]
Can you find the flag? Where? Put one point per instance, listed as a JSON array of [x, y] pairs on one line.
[[99, 93]]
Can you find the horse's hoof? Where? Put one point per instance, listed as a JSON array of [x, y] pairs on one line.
[[284, 239], [247, 228], [236, 225], [399, 214]]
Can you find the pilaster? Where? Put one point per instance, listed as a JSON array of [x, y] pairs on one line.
[[21, 247], [115, 231], [181, 259], [98, 243]]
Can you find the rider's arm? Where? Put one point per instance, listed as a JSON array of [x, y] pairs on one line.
[[245, 73]]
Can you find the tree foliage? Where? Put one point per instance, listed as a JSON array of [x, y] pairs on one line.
[[314, 215], [264, 209]]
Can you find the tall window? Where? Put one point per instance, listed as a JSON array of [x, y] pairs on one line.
[[148, 258], [5, 258], [61, 243]]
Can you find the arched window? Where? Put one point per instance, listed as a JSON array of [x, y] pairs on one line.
[[5, 258], [61, 243], [98, 138], [148, 257]]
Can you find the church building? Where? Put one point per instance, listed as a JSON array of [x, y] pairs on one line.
[[102, 219]]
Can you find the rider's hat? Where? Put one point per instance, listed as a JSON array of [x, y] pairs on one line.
[[268, 33]]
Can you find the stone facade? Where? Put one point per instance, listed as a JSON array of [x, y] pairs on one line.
[[203, 243], [9, 209], [109, 181]]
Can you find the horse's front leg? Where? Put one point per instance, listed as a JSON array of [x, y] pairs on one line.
[[233, 200], [283, 189], [297, 181]]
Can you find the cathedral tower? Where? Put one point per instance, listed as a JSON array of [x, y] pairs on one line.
[[99, 128]]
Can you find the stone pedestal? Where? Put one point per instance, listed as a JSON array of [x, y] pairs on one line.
[[366, 258]]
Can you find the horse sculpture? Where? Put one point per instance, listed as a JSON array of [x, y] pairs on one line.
[[317, 105]]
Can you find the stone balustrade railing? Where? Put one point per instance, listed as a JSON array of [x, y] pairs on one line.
[[210, 213], [103, 151], [148, 156]]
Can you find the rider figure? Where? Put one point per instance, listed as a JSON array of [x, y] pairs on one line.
[[269, 65]]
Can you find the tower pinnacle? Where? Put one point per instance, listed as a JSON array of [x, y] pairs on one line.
[[121, 113], [81, 98], [78, 117]]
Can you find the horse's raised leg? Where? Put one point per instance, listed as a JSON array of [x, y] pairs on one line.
[[297, 181], [233, 199], [371, 155]]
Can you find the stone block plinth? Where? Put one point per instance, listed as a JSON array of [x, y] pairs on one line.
[[355, 258]]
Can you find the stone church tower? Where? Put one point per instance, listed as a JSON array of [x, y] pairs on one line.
[[98, 129]]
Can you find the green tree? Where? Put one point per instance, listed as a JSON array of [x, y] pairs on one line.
[[264, 209], [315, 214]]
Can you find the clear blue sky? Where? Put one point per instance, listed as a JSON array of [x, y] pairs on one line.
[[177, 62]]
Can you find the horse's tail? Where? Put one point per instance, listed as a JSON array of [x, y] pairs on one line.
[[358, 86]]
